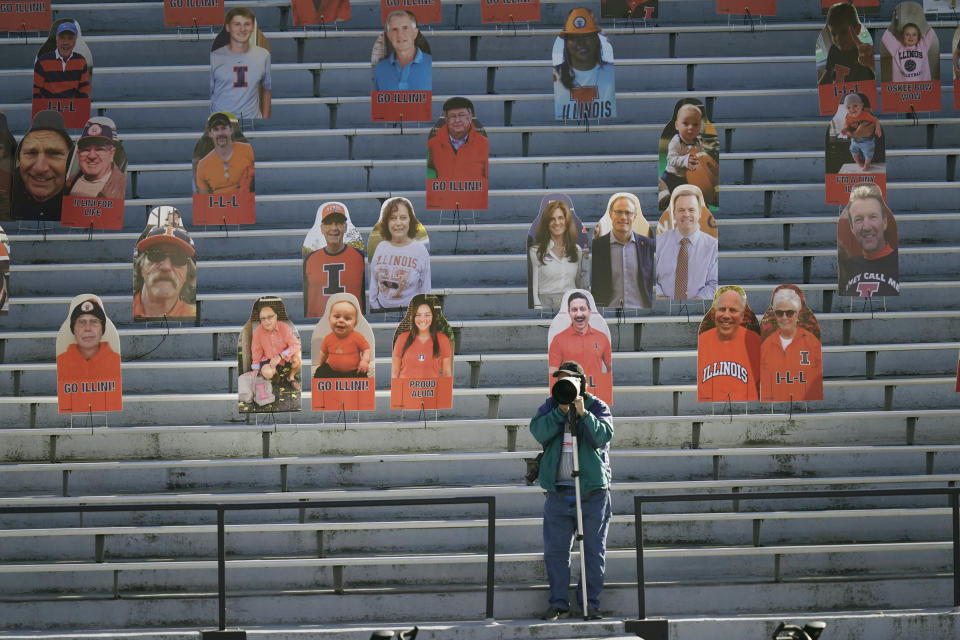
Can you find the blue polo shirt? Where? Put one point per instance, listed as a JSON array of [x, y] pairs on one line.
[[416, 76]]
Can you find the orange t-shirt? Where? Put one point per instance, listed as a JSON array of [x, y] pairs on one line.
[[344, 354], [89, 385]]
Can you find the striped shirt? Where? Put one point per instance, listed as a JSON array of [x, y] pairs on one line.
[[54, 77]]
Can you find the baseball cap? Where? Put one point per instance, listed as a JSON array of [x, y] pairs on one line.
[[220, 117], [168, 235], [333, 209], [97, 131], [570, 367], [580, 21], [91, 307], [67, 26]]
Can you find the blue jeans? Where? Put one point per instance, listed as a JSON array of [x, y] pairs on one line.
[[863, 148], [559, 529]]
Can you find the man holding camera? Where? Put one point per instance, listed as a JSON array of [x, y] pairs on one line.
[[593, 426]]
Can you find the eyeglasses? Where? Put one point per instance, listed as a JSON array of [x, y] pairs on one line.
[[785, 312], [177, 258], [621, 212]]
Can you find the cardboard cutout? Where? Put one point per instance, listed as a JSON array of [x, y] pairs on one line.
[[791, 359], [41, 169], [175, 14], [8, 151], [162, 216], [728, 350], [867, 246], [844, 55], [64, 89], [422, 363], [578, 332], [627, 289], [25, 16], [855, 149], [689, 153], [165, 274], [583, 78], [630, 9], [402, 86], [96, 179], [744, 7], [457, 159], [956, 69], [687, 256], [492, 11], [425, 11], [333, 260], [909, 62], [240, 68], [223, 174], [4, 273], [342, 348], [556, 246], [399, 251], [307, 12], [88, 359], [269, 360]]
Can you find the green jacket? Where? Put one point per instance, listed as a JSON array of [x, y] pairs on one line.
[[594, 432]]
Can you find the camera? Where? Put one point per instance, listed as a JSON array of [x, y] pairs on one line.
[[566, 390], [810, 631]]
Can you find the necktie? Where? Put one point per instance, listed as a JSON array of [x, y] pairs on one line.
[[680, 283]]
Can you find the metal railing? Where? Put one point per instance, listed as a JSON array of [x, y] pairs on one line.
[[223, 507], [953, 494]]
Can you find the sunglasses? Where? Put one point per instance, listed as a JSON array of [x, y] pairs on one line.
[[177, 258], [785, 312]]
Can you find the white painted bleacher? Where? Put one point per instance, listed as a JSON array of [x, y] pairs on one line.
[[889, 419]]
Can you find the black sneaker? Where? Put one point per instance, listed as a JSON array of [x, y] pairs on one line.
[[552, 613]]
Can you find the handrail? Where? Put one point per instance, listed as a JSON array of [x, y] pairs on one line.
[[952, 492], [223, 507]]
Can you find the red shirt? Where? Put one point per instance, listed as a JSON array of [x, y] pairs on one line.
[[325, 275], [796, 371], [591, 350], [89, 385], [344, 354], [417, 361], [728, 370], [265, 345]]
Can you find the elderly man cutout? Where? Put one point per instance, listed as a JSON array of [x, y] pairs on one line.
[[163, 273], [99, 177], [42, 168], [62, 73], [457, 151], [408, 68], [728, 356]]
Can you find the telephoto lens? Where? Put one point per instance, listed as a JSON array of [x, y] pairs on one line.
[[565, 390]]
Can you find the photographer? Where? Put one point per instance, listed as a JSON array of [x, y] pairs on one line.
[[594, 430]]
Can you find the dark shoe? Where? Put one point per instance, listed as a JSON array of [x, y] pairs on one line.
[[592, 614], [552, 613]]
